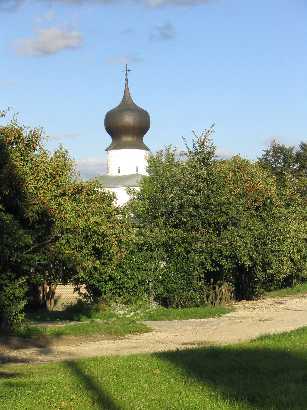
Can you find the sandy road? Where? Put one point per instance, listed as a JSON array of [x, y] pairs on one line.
[[249, 320]]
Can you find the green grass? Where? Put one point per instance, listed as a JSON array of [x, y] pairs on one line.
[[137, 311], [87, 320], [268, 373], [116, 327], [202, 312], [300, 288]]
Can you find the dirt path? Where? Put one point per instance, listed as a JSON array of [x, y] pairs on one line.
[[249, 320]]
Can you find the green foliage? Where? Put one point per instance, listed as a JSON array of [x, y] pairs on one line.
[[12, 302], [54, 228], [280, 159], [201, 221], [287, 164], [198, 229]]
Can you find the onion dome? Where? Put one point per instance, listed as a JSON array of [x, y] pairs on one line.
[[127, 123]]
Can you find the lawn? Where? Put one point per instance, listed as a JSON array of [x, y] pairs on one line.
[[87, 320], [201, 312], [269, 373], [138, 311], [299, 289], [113, 327]]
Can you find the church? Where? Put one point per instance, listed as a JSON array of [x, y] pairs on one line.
[[127, 154]]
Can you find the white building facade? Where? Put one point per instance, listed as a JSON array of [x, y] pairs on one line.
[[127, 162]]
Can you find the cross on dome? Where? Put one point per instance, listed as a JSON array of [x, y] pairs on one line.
[[127, 70]]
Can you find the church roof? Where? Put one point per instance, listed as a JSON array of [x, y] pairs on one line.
[[127, 123], [118, 181]]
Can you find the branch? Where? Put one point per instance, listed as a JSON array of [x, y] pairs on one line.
[[39, 245]]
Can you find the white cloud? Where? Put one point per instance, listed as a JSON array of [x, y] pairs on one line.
[[163, 32], [223, 153], [49, 41], [91, 167]]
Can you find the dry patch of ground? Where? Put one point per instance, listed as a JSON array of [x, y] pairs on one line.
[[247, 321]]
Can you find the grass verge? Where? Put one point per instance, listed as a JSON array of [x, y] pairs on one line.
[[117, 320], [268, 373], [116, 327], [298, 289], [138, 311], [202, 312]]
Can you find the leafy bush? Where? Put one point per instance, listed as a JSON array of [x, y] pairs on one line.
[[54, 228], [13, 261], [12, 303], [202, 221]]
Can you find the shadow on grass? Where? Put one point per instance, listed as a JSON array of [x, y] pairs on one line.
[[32, 337], [70, 313], [9, 375], [102, 399], [259, 377], [7, 358], [9, 346]]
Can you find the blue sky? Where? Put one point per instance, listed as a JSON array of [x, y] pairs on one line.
[[240, 64]]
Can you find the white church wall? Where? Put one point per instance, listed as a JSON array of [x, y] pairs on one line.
[[127, 161], [121, 194]]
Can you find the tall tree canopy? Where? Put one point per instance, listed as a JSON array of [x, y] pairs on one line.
[[54, 227], [287, 163]]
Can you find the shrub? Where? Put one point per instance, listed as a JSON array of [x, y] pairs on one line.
[[13, 265], [216, 221], [54, 228], [12, 303]]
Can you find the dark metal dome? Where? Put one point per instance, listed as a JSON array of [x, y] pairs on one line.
[[127, 123]]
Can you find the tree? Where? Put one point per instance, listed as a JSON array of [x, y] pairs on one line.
[[279, 159], [207, 221], [54, 228], [287, 163], [301, 159]]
